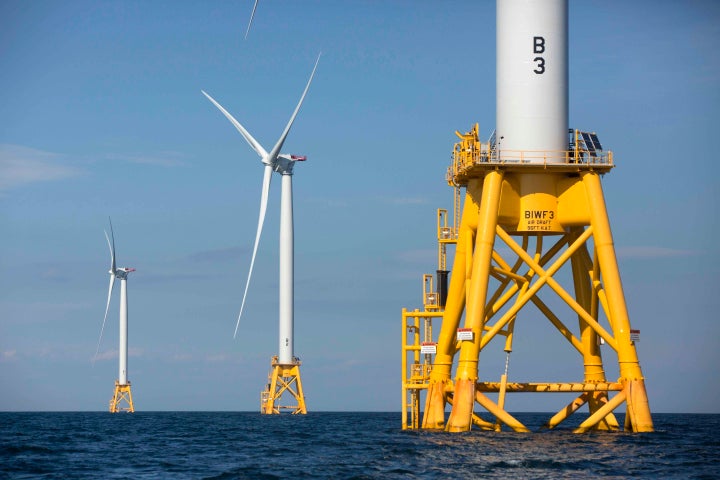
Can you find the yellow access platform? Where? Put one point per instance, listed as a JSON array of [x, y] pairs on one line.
[[527, 217], [283, 380]]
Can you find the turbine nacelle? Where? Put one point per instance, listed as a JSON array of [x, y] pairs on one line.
[[285, 163], [122, 272]]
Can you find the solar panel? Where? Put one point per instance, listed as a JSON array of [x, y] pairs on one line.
[[588, 142], [595, 141]]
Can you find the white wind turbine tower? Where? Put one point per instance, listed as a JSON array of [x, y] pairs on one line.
[[122, 391], [285, 374]]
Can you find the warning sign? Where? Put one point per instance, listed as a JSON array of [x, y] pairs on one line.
[[634, 335], [465, 334], [428, 348]]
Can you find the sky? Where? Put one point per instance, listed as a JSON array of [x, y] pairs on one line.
[[101, 115]]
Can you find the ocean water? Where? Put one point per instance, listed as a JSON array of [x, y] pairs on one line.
[[228, 445]]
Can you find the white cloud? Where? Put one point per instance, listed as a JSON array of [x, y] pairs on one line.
[[107, 355], [219, 255], [221, 358], [407, 201], [182, 357], [8, 355], [330, 202], [162, 159], [16, 312], [112, 354], [22, 165], [419, 256], [652, 252]]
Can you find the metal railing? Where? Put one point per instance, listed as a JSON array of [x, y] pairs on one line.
[[464, 160], [565, 157]]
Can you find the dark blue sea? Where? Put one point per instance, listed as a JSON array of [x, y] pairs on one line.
[[225, 445]]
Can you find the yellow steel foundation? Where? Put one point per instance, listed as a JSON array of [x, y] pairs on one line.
[[548, 215], [121, 400], [283, 380]]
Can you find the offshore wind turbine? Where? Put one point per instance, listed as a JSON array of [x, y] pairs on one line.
[[122, 392], [285, 366], [534, 212]]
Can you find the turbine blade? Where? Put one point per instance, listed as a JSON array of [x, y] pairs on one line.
[[107, 307], [276, 149], [246, 135], [252, 15], [261, 219], [111, 246]]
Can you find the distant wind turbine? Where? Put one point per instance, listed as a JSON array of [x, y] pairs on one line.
[[122, 385], [286, 365], [283, 164]]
